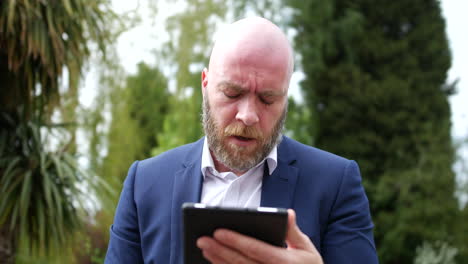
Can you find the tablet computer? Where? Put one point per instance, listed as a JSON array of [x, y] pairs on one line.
[[263, 223]]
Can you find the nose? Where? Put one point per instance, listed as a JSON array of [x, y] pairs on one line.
[[247, 112]]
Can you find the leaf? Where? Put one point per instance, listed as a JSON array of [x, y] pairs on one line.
[[11, 15], [47, 185], [10, 172], [39, 194], [25, 198], [68, 8]]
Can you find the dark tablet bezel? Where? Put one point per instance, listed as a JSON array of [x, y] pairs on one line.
[[264, 223]]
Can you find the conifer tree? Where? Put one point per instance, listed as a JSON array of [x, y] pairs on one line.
[[138, 110], [375, 75]]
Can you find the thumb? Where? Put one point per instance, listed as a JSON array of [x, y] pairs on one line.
[[294, 237]]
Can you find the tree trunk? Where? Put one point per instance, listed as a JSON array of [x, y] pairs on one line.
[[7, 246]]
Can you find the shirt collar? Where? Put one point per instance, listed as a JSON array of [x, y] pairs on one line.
[[207, 160]]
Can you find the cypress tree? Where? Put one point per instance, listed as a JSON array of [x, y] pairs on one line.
[[375, 77]]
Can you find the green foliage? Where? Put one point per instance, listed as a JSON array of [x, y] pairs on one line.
[[38, 40], [43, 47], [187, 51], [43, 191], [147, 101], [92, 242], [191, 33], [272, 10], [375, 78], [138, 110], [297, 123], [137, 104], [435, 253]]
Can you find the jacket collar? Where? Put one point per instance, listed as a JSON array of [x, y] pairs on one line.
[[277, 188], [186, 188], [188, 181]]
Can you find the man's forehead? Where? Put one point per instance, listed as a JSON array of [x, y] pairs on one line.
[[255, 41], [251, 57]]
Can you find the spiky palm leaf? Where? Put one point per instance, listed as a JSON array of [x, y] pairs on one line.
[[39, 39], [43, 192]]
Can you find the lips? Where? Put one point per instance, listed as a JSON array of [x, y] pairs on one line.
[[242, 141], [243, 138]]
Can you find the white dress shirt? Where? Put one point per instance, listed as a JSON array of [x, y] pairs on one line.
[[228, 189]]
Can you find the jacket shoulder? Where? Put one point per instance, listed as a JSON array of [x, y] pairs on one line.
[[306, 154], [160, 170], [173, 158]]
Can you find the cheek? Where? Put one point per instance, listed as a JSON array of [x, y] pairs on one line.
[[223, 114], [267, 125], [270, 119]]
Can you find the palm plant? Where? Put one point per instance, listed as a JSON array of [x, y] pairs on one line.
[[39, 41], [43, 191]]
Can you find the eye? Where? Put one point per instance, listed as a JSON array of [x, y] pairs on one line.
[[231, 95], [266, 101]]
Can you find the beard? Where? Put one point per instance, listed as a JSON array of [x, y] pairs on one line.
[[239, 158]]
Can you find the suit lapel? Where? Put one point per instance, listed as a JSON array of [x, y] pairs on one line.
[[188, 185], [283, 178], [187, 188]]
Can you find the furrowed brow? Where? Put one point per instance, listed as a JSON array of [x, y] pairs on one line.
[[232, 86], [272, 93], [238, 88]]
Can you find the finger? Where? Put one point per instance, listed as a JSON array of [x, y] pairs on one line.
[[212, 258], [252, 248], [294, 237], [216, 252]]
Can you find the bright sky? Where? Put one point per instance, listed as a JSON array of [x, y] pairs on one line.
[[136, 45], [454, 12]]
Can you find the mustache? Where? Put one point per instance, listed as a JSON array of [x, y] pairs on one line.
[[240, 130]]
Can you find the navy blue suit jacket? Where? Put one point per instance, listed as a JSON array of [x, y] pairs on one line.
[[324, 189]]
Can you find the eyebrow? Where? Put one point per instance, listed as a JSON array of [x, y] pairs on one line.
[[230, 85], [238, 88]]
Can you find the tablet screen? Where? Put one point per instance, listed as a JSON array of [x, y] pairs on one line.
[[263, 223]]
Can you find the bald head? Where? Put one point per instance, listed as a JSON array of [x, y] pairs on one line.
[[255, 42], [245, 93]]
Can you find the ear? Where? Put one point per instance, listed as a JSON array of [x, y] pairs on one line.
[[204, 80]]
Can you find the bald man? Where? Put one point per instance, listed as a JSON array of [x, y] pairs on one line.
[[245, 161]]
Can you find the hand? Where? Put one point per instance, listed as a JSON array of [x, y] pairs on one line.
[[227, 247]]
